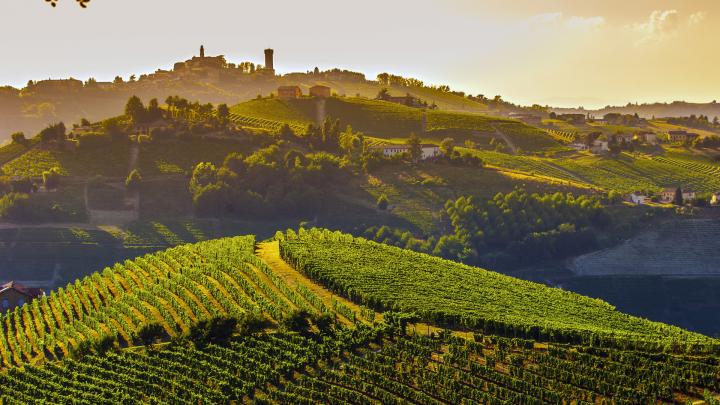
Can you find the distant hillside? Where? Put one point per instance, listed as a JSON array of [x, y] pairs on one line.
[[40, 103], [657, 110], [383, 119], [684, 248]]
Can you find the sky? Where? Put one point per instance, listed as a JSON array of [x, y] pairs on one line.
[[570, 53]]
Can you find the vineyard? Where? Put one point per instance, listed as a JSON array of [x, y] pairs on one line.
[[563, 136], [458, 296], [596, 354], [173, 288], [254, 122]]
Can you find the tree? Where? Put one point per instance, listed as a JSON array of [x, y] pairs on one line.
[[204, 174], [447, 146], [223, 113], [415, 147], [19, 138], [135, 109], [678, 200], [133, 180], [153, 111], [54, 132], [286, 132]]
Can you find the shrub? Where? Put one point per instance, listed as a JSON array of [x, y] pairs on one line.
[[15, 206]]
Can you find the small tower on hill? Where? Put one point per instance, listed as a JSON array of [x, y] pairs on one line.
[[202, 51], [269, 60]]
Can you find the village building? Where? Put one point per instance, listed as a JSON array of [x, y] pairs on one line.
[[289, 92], [320, 91], [428, 151], [572, 118], [623, 137], [647, 137], [13, 295], [599, 146], [638, 198], [667, 195], [681, 136]]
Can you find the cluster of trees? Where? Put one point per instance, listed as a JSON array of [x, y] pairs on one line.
[[623, 119], [267, 182], [193, 116], [696, 121], [519, 226], [712, 141]]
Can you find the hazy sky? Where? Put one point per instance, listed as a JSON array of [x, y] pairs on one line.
[[562, 52]]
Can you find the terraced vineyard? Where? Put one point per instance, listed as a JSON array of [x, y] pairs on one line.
[[255, 122], [350, 368], [357, 359], [525, 164], [173, 288], [458, 296], [563, 136]]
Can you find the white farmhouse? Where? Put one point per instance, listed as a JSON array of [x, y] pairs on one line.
[[637, 198], [428, 150]]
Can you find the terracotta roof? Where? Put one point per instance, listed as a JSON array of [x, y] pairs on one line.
[[30, 292]]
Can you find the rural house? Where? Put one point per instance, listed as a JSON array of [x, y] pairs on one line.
[[320, 91], [13, 295], [668, 195], [681, 136], [637, 198], [289, 92], [428, 151], [647, 137], [599, 146]]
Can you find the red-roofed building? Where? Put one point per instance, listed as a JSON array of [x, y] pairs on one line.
[[13, 295]]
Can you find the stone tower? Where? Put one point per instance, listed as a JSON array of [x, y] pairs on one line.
[[202, 51], [269, 59]]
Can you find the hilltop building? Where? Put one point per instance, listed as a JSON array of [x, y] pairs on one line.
[[289, 92], [320, 91], [681, 136], [13, 295], [269, 65]]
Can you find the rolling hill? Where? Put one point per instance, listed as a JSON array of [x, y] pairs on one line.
[[156, 329], [386, 120]]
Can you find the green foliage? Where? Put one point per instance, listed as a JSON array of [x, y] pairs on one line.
[[456, 295], [518, 219], [15, 206]]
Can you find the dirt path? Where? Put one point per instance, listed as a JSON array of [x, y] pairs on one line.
[[269, 252]]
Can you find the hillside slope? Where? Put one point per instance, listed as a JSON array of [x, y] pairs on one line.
[[383, 119], [457, 295], [274, 354]]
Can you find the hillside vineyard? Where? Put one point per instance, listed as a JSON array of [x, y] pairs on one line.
[[326, 325]]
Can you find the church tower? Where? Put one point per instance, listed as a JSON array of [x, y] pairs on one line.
[[202, 51]]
